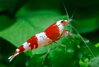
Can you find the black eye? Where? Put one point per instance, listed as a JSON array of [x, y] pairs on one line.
[[62, 21]]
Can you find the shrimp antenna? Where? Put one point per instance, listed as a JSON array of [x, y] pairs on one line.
[[66, 10], [82, 40], [73, 14], [78, 32]]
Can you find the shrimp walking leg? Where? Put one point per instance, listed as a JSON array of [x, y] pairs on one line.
[[46, 54], [61, 45]]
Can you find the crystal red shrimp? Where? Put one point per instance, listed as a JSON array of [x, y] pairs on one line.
[[53, 33]]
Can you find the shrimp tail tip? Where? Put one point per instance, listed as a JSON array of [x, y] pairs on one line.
[[12, 57]]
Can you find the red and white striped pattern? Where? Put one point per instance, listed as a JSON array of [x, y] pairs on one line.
[[51, 34]]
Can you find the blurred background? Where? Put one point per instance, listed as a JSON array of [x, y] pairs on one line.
[[21, 19]]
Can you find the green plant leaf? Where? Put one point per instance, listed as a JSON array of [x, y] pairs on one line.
[[94, 62]]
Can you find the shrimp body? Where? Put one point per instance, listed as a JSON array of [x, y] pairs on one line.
[[50, 35]]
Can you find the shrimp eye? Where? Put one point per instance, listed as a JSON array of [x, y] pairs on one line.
[[62, 21]]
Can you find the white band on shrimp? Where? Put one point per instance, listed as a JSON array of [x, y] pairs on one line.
[[60, 26], [42, 39], [26, 46]]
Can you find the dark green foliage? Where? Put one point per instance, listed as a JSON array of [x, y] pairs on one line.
[[21, 19]]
